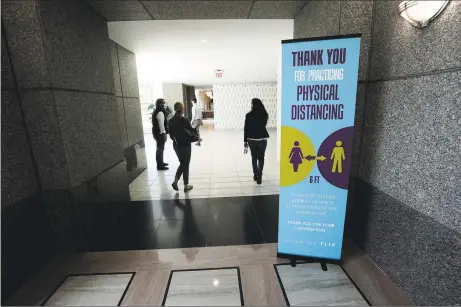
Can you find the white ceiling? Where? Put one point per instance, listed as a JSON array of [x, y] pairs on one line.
[[173, 51]]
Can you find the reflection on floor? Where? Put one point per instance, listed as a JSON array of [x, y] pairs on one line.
[[159, 278], [307, 285], [91, 290], [178, 223], [219, 168], [216, 287]]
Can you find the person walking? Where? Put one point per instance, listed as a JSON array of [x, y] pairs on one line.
[[197, 119], [160, 131], [256, 135], [182, 134]]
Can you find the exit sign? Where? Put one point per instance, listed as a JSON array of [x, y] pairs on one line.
[[218, 73]]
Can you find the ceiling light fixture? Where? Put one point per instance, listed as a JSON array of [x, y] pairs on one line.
[[204, 41], [421, 13]]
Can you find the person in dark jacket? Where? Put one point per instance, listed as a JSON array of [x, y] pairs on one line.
[[182, 134], [160, 131], [256, 135]]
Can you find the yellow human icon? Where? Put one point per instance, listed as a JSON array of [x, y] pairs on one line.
[[337, 155]]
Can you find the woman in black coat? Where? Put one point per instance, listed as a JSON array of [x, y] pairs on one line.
[[182, 134], [256, 135]]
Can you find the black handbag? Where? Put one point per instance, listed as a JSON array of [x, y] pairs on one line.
[[192, 134]]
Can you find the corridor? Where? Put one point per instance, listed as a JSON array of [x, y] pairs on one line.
[[88, 220], [219, 168]]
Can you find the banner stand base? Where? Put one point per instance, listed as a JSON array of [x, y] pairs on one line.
[[323, 262]]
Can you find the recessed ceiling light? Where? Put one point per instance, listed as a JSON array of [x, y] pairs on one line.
[[204, 41]]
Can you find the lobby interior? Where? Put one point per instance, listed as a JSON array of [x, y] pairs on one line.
[[88, 220]]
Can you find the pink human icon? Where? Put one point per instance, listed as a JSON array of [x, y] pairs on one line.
[[296, 156]]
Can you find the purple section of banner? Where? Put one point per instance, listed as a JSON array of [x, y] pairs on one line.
[[337, 149]]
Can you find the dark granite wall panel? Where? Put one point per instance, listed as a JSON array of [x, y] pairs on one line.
[[276, 9], [210, 9], [26, 243], [120, 10], [77, 46], [18, 173], [46, 138], [63, 216], [115, 68], [127, 91], [90, 133], [8, 81], [411, 140], [25, 42], [318, 18], [358, 126], [356, 17], [128, 72], [326, 18], [133, 120], [415, 251], [401, 49], [122, 122]]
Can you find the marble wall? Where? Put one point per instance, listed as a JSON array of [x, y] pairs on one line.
[[405, 193], [24, 224], [231, 103], [61, 55], [19, 179], [127, 95], [59, 125]]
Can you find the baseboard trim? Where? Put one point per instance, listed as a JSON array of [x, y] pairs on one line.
[[375, 285]]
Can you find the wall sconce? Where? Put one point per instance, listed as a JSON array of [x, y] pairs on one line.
[[421, 13]]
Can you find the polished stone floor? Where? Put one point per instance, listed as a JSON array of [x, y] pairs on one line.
[[308, 285], [91, 290], [180, 223], [213, 287], [249, 275], [133, 206]]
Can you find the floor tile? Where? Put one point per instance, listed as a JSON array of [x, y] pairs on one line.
[[235, 230], [223, 185], [90, 290], [142, 182], [260, 286], [147, 289], [204, 288], [199, 180], [184, 208], [175, 223], [267, 212], [225, 179], [188, 232], [248, 178], [270, 182], [230, 207], [223, 175], [307, 285], [197, 185], [237, 191]]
